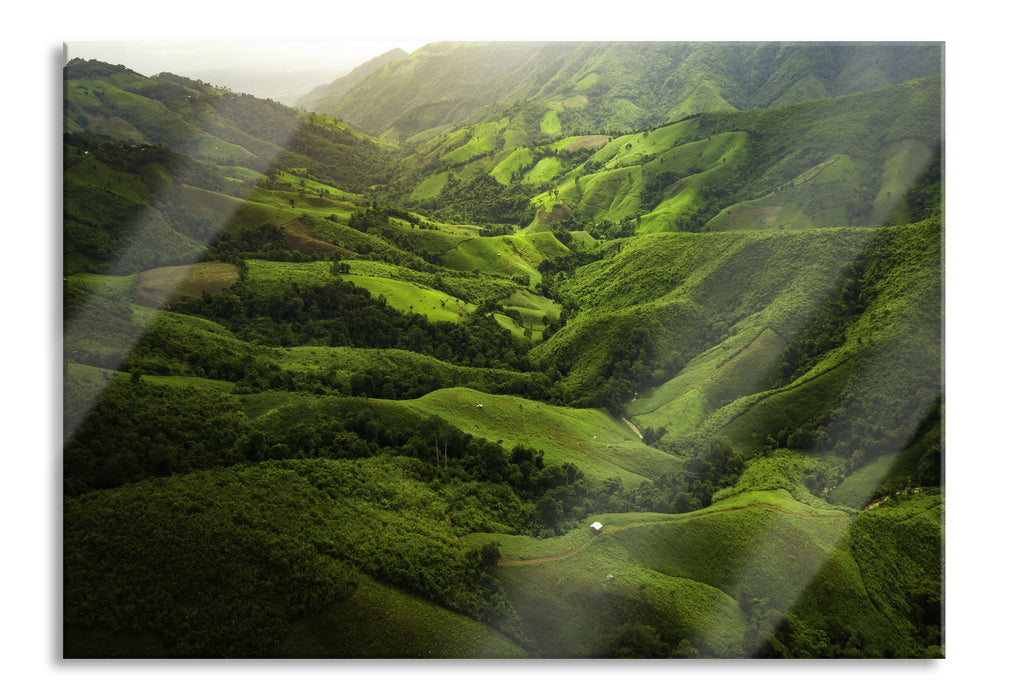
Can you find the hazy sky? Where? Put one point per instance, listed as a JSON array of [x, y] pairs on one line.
[[280, 70]]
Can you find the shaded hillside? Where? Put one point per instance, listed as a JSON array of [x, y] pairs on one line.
[[684, 319], [216, 125]]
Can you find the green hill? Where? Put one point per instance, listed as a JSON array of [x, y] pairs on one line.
[[616, 86], [824, 163], [601, 446]]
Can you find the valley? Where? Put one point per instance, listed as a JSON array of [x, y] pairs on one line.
[[354, 380]]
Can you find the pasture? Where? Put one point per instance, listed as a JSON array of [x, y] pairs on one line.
[[164, 285], [601, 446]]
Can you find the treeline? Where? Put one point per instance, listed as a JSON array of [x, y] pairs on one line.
[[139, 429], [482, 200], [487, 485], [787, 141], [926, 199], [263, 242], [137, 158], [179, 113], [342, 314], [122, 218], [334, 156], [172, 346], [633, 366], [172, 495]]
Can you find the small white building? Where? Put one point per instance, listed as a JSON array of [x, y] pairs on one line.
[[597, 526]]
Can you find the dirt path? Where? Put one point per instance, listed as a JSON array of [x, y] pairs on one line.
[[614, 528], [518, 252], [634, 428]]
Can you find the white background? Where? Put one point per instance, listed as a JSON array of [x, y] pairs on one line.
[[976, 453]]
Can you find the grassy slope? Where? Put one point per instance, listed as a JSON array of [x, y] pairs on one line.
[[689, 290], [411, 291], [666, 571], [342, 363], [685, 574], [818, 164], [596, 443], [510, 256], [381, 621], [409, 298], [742, 296], [696, 575]]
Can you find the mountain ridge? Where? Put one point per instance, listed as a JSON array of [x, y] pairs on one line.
[[627, 85], [343, 84]]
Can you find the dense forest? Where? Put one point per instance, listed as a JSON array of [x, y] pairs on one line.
[[595, 364]]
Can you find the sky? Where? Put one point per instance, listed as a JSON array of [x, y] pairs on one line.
[[278, 70]]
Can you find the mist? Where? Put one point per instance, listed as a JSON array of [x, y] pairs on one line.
[[278, 70]]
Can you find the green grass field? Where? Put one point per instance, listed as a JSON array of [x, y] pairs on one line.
[[228, 495], [431, 187], [668, 568], [857, 489], [904, 161], [511, 164], [381, 621], [482, 139], [598, 444], [545, 170], [551, 123], [184, 283], [512, 256], [411, 298]]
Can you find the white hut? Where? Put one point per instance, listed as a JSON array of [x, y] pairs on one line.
[[597, 526]]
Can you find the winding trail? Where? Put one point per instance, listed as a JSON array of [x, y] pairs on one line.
[[634, 428], [691, 516]]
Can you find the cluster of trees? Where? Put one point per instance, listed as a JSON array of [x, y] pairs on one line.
[[108, 230], [893, 400], [633, 365], [264, 242], [654, 190], [787, 141], [138, 430], [220, 562], [482, 200], [157, 474], [514, 488], [825, 329], [716, 467], [138, 158], [342, 314]]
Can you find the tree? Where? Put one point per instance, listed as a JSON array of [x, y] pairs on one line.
[[490, 554], [634, 640]]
